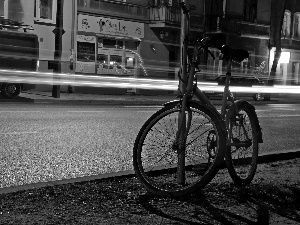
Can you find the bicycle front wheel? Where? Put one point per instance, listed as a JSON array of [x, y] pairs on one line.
[[242, 150], [155, 153]]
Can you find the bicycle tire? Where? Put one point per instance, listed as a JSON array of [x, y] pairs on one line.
[[156, 142], [241, 161]]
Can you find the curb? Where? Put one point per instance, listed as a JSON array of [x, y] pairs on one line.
[[262, 158]]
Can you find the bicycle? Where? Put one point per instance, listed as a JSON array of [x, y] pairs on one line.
[[181, 147]]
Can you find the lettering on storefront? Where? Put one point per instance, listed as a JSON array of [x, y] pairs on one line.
[[110, 26]]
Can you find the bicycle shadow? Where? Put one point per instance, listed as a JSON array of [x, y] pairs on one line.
[[227, 204]]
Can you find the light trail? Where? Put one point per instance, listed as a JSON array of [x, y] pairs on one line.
[[18, 76]]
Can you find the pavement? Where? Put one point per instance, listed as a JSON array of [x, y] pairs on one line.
[[92, 99], [130, 99]]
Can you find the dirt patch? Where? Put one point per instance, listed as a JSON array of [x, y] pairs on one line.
[[272, 198]]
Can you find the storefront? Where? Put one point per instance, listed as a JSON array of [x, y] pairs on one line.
[[108, 46]]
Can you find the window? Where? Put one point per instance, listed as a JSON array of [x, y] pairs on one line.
[[109, 43], [286, 25], [46, 11], [131, 45], [130, 62], [297, 25], [250, 10], [103, 61], [115, 62]]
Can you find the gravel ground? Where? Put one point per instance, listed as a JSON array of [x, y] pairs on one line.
[[272, 198]]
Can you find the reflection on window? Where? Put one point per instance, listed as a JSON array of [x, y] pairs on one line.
[[286, 25], [250, 10], [115, 62], [45, 10], [129, 62], [297, 25], [109, 43], [103, 61], [131, 45], [120, 44]]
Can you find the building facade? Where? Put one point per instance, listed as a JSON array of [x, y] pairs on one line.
[[140, 38], [128, 38], [246, 24]]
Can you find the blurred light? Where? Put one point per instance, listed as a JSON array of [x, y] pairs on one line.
[[284, 57], [17, 76]]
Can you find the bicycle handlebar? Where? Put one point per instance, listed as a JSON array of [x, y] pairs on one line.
[[228, 53]]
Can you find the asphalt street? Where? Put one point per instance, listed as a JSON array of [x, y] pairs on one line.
[[42, 142]]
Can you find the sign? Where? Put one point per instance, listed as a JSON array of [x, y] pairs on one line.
[[109, 26], [86, 52]]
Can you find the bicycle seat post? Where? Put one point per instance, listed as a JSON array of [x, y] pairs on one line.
[[184, 30], [226, 89]]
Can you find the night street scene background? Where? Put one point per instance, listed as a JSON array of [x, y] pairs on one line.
[[79, 78]]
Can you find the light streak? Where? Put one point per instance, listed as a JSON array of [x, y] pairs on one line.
[[18, 76]]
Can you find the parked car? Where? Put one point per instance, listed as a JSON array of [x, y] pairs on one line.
[[241, 81]]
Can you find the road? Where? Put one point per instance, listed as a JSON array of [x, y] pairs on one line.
[[44, 142]]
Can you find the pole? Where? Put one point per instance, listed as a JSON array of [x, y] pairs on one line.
[[182, 87], [277, 14], [58, 31]]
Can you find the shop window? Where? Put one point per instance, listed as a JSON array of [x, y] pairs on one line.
[[250, 10], [131, 45], [100, 43], [109, 43], [130, 62], [45, 11], [120, 44], [286, 25], [297, 25], [115, 62], [103, 61]]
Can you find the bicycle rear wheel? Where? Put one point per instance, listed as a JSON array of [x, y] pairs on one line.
[[155, 153], [242, 151]]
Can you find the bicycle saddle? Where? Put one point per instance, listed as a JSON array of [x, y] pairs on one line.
[[234, 54]]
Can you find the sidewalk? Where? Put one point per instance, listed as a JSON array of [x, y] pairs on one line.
[[127, 99], [272, 198]]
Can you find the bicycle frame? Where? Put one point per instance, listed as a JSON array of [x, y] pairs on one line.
[[188, 89], [174, 161]]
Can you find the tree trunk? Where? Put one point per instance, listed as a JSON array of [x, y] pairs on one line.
[[277, 15]]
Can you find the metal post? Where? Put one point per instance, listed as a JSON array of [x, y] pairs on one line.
[[58, 31], [182, 88]]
